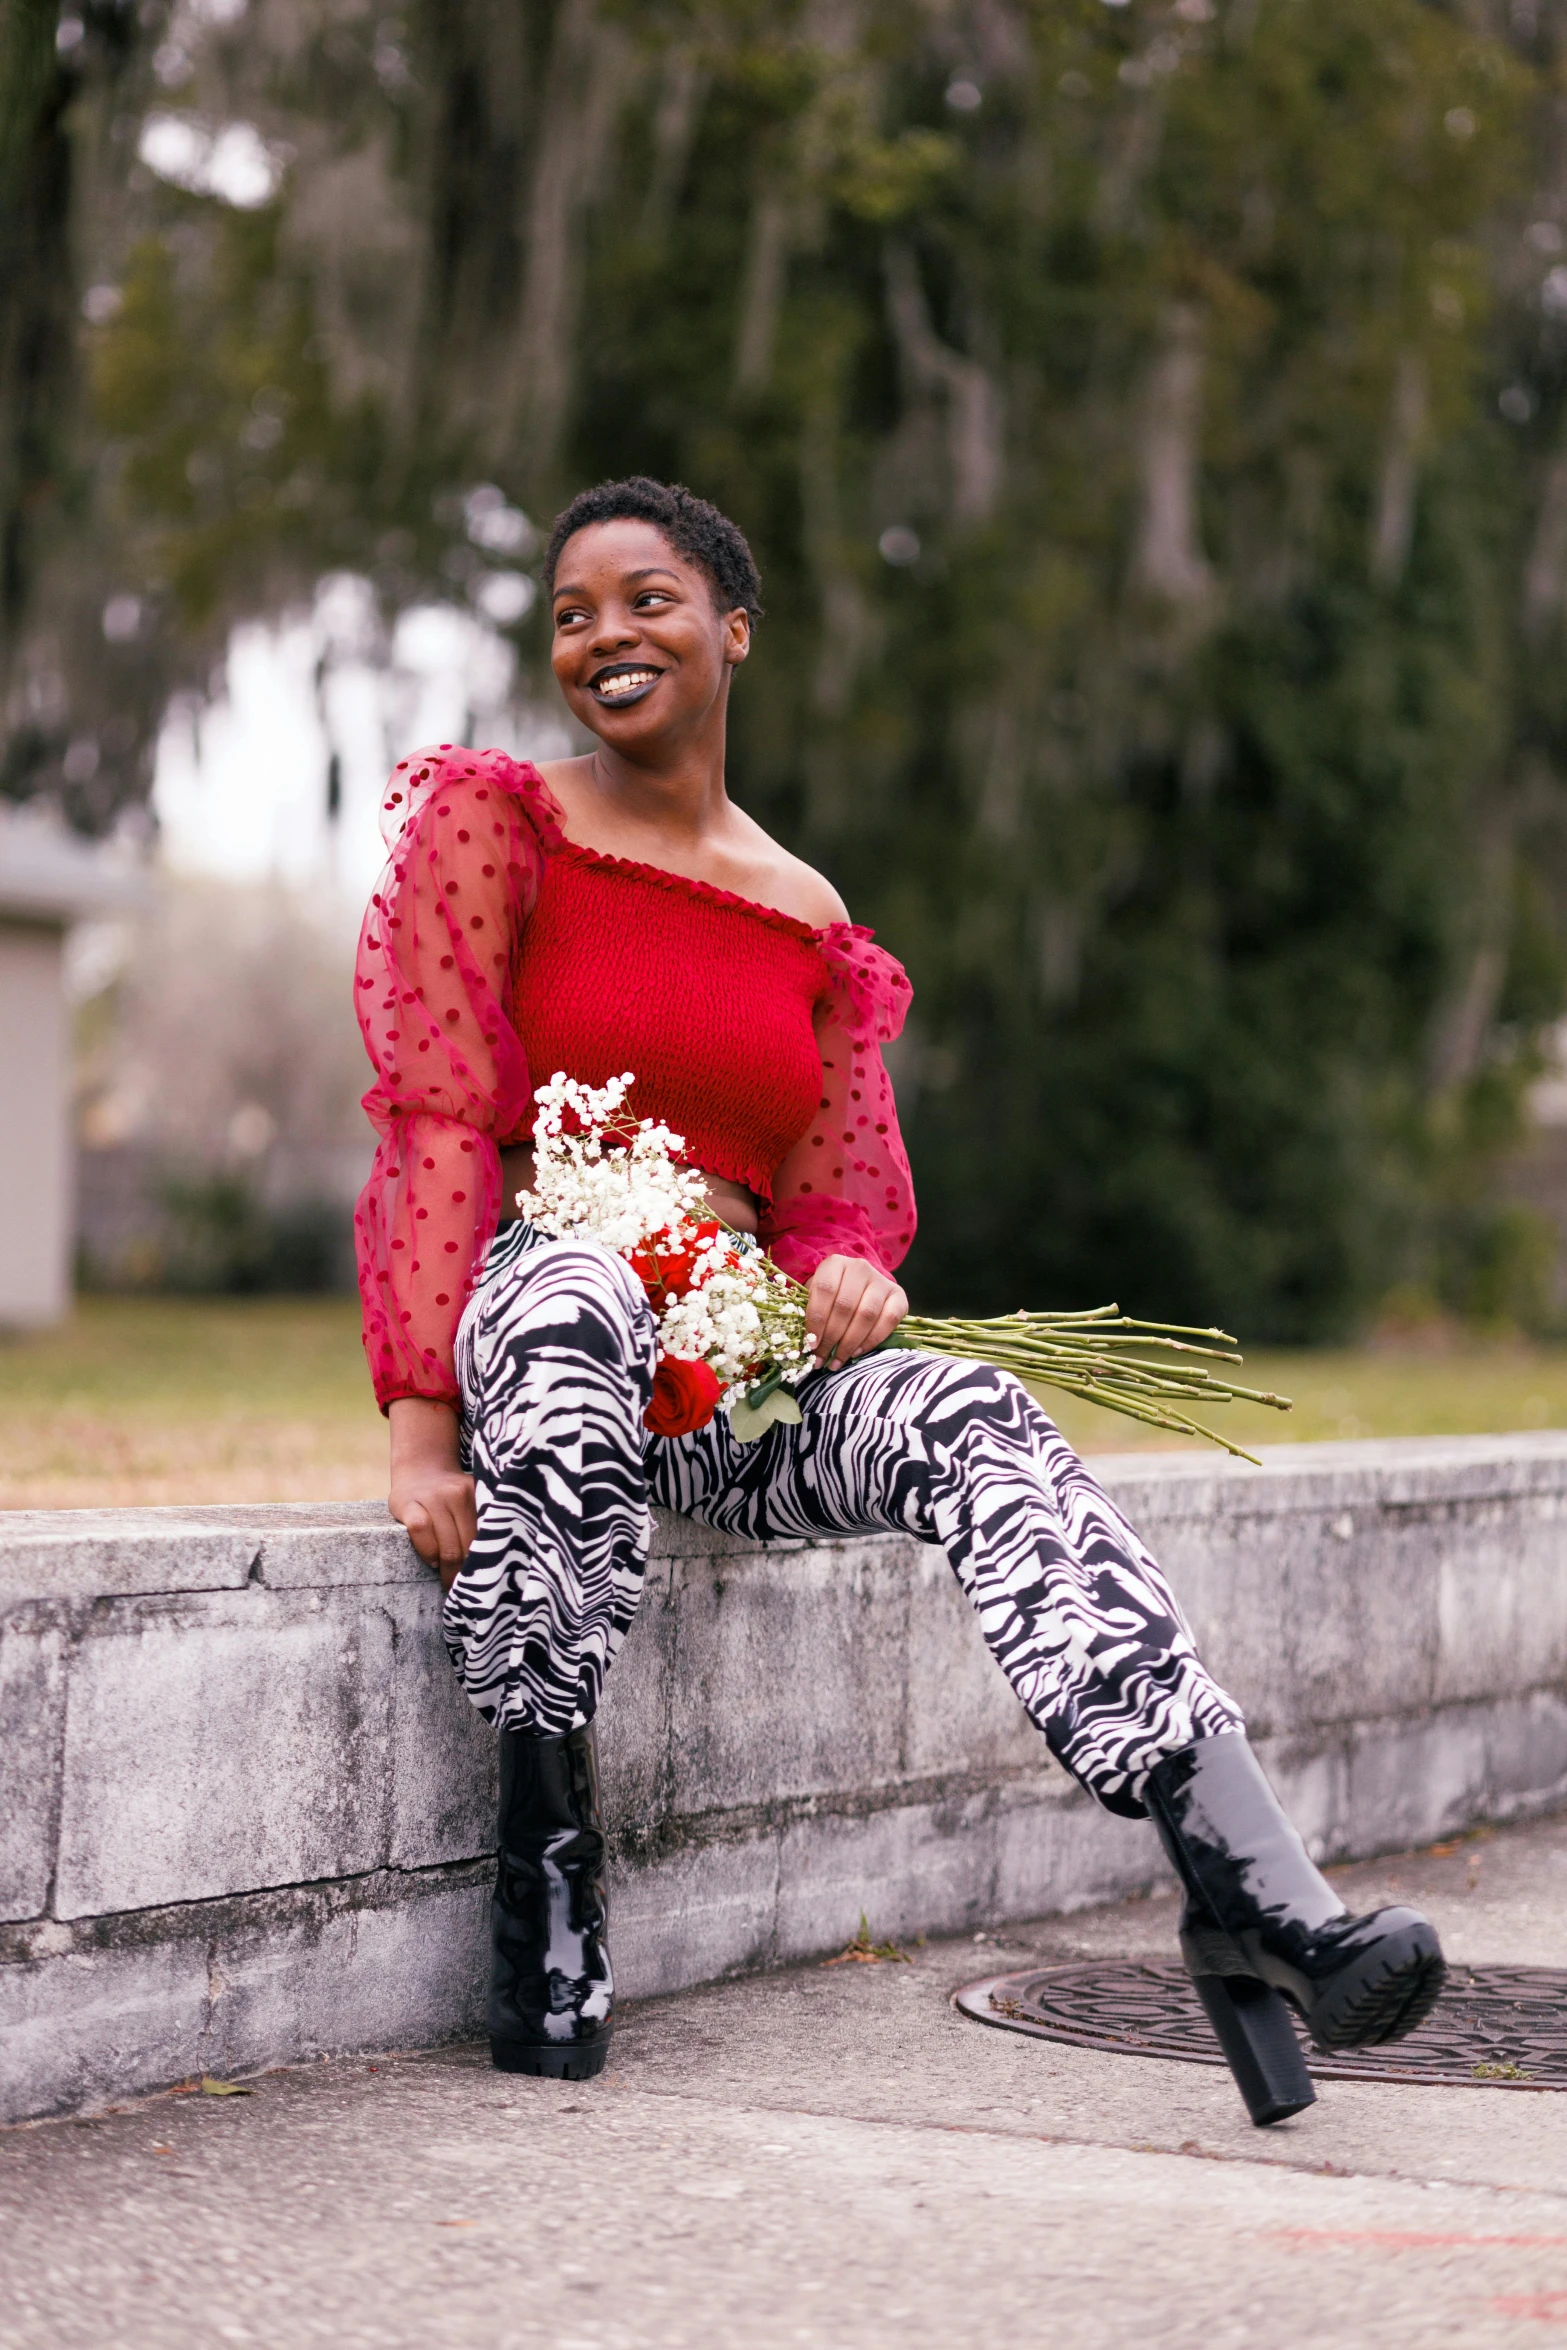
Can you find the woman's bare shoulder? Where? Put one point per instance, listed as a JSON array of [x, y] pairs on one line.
[[787, 882], [826, 906]]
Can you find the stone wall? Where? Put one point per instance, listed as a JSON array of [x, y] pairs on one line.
[[246, 1814]]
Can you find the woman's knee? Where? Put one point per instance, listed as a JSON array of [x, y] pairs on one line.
[[932, 1407], [958, 1385], [569, 1299], [581, 1268], [1007, 1399], [971, 1412]]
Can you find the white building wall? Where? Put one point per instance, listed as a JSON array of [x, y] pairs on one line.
[[36, 1159]]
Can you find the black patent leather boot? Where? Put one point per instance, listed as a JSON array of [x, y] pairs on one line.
[[1260, 1918], [551, 1992]]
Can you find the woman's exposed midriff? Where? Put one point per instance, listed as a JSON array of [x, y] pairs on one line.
[[730, 1201]]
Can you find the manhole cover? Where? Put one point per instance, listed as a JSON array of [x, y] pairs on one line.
[[1494, 2027]]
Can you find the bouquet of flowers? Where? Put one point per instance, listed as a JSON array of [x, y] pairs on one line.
[[731, 1323]]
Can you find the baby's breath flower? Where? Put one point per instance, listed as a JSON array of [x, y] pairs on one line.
[[601, 1175]]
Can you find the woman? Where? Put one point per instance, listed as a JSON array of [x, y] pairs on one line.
[[617, 911]]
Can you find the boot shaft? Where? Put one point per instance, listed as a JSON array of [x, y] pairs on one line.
[[1239, 1859], [548, 1786], [552, 1852]]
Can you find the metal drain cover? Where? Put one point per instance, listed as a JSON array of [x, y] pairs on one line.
[[1494, 2027]]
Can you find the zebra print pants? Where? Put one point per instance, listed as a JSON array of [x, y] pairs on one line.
[[555, 1356]]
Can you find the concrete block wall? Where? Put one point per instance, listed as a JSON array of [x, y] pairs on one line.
[[247, 1815]]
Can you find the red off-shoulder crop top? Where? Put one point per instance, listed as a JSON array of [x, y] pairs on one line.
[[495, 952]]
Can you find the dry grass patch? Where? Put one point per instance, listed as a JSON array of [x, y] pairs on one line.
[[266, 1399], [190, 1400]]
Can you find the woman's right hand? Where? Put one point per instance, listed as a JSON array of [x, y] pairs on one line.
[[430, 1493], [850, 1307]]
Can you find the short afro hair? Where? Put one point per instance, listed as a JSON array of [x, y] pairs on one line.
[[693, 528]]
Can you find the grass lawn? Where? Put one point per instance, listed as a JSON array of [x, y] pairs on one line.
[[190, 1399], [266, 1399]]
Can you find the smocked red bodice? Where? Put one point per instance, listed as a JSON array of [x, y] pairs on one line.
[[709, 1001], [497, 952]]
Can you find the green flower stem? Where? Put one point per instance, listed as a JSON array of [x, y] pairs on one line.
[[1080, 1354], [1099, 1355]]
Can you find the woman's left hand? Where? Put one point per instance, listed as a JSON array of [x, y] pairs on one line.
[[851, 1306]]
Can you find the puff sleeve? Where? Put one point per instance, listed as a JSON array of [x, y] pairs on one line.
[[432, 993], [845, 1188]]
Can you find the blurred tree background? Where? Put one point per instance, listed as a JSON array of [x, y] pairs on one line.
[[1151, 421]]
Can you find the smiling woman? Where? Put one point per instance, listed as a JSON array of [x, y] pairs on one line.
[[672, 522], [618, 912]]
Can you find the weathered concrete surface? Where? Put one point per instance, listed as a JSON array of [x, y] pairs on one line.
[[828, 2157], [246, 1810]]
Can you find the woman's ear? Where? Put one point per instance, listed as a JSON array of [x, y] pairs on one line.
[[737, 636]]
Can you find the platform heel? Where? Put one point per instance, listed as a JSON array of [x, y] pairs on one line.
[[1252, 2025]]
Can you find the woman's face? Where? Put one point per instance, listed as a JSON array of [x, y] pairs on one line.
[[639, 650]]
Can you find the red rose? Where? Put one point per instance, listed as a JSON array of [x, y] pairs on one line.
[[665, 1264], [685, 1397]]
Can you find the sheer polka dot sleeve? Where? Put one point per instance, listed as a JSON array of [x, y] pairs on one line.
[[845, 1187], [431, 990]]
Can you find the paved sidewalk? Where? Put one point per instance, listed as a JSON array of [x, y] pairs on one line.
[[828, 2156]]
